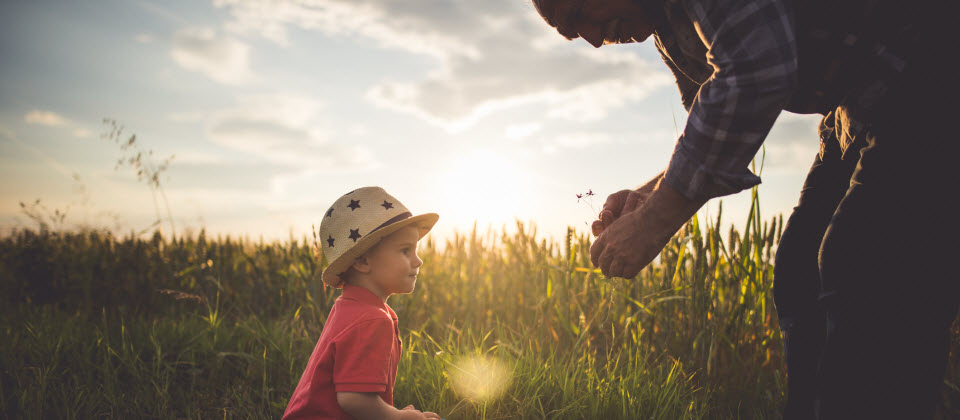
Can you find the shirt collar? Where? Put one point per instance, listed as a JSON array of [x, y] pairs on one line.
[[363, 295]]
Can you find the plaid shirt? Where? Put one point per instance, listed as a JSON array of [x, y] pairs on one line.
[[751, 47]]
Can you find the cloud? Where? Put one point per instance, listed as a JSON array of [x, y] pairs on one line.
[[52, 119], [519, 131], [282, 129], [41, 117], [144, 38], [7, 133], [423, 26], [222, 59], [187, 117], [581, 140], [199, 158], [575, 141], [792, 143], [492, 56]]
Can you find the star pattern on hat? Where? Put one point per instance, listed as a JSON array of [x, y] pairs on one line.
[[387, 205], [355, 234], [354, 204], [330, 212], [330, 241]]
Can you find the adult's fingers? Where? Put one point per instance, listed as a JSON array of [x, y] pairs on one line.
[[612, 209], [596, 249], [615, 203], [606, 260], [615, 268], [431, 415], [635, 200], [607, 218], [631, 202], [630, 270], [597, 227], [409, 407]]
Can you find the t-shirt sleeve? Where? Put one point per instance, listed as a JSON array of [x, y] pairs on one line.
[[361, 358]]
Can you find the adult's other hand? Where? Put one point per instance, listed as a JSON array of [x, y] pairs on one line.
[[617, 204], [622, 202], [632, 241]]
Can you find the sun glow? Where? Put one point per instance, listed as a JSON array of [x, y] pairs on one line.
[[479, 378], [483, 187]]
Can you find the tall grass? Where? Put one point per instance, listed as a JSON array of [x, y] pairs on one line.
[[99, 326]]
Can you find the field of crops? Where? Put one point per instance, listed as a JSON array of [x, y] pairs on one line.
[[505, 326]]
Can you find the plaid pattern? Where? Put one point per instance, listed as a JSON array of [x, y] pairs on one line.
[[752, 48]]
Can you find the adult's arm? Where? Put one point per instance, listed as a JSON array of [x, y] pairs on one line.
[[688, 87], [752, 48]]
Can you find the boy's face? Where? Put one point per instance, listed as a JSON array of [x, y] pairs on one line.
[[394, 263]]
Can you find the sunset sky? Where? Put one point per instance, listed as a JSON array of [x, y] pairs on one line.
[[476, 110]]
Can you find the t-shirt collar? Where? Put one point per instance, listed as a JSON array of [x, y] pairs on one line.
[[362, 295]]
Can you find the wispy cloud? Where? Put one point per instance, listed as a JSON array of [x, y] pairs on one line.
[[519, 131], [581, 140], [53, 119], [792, 144], [493, 56], [573, 141], [425, 27], [144, 38], [221, 58], [282, 129], [37, 153], [41, 117]]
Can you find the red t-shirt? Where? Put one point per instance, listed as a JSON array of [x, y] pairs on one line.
[[358, 351]]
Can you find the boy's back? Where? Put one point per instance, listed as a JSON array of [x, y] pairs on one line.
[[361, 336]]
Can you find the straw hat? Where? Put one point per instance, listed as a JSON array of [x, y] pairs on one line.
[[357, 221]]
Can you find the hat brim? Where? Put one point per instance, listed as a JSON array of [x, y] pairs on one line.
[[331, 274]]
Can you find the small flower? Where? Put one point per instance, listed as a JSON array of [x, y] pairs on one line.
[[589, 202]]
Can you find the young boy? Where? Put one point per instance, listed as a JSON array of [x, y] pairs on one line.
[[370, 240]]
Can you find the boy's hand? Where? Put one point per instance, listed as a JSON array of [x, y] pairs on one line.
[[411, 413], [369, 406]]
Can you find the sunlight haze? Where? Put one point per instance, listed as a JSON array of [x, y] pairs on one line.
[[271, 110]]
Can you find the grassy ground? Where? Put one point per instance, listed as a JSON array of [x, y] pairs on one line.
[[500, 326]]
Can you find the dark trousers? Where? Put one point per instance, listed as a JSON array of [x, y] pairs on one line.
[[866, 278]]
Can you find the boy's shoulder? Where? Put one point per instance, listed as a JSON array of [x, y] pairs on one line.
[[358, 307]]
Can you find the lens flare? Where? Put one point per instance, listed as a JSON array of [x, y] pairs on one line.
[[479, 378]]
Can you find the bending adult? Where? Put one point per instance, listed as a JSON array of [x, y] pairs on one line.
[[864, 282]]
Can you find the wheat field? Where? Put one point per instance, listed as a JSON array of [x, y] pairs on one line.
[[501, 326]]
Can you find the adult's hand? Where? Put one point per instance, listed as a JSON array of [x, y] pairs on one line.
[[632, 241], [617, 204], [622, 202]]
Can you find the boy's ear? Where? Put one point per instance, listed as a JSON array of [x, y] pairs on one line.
[[361, 264]]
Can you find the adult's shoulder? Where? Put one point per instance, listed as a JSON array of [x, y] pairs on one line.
[[709, 15]]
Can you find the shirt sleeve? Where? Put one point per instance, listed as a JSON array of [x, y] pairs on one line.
[[752, 48], [688, 88], [361, 358]]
